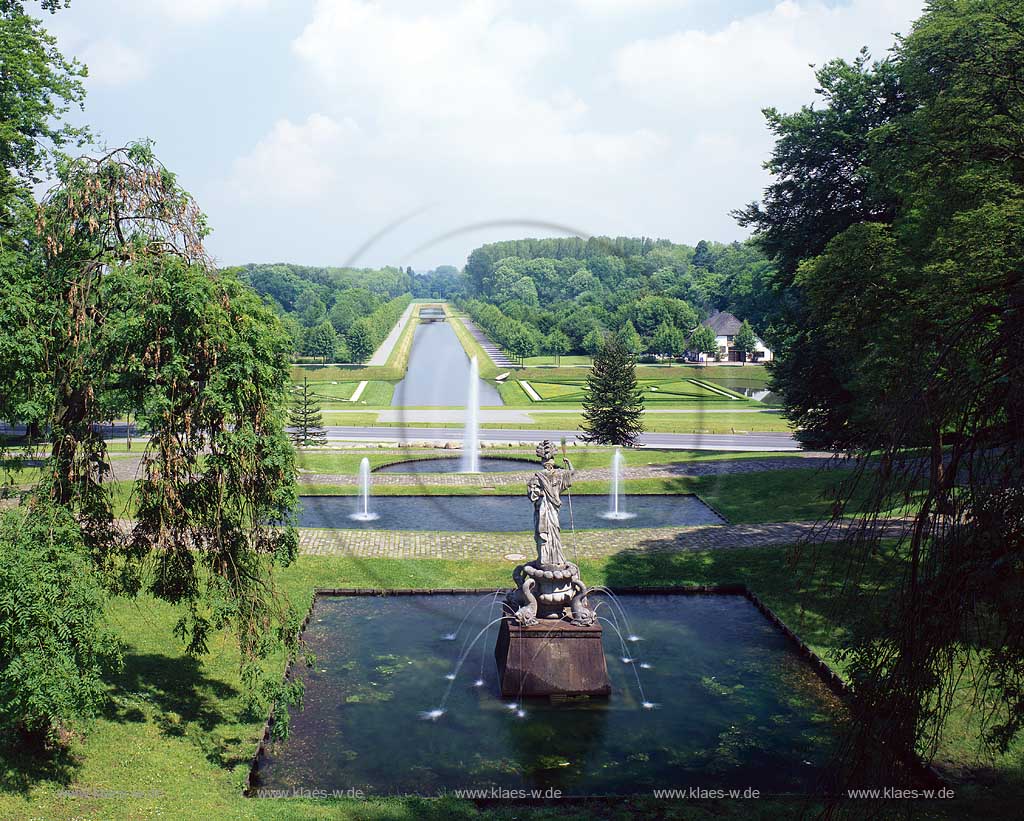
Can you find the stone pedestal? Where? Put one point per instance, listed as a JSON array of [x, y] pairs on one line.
[[552, 657]]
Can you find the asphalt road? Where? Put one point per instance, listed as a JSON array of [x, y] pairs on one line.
[[680, 441]]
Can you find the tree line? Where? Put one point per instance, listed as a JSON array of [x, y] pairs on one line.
[[562, 295], [343, 314]]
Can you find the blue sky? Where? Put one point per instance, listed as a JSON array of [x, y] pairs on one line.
[[304, 127]]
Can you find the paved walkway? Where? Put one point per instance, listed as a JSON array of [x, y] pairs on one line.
[[396, 544], [496, 354], [380, 356]]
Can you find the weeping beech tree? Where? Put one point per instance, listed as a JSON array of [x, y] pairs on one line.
[[134, 321]]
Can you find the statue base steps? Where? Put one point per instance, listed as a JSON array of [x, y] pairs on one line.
[[551, 658]]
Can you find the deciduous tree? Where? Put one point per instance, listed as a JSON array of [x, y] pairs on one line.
[[744, 342]]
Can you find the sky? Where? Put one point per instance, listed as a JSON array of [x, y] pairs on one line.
[[408, 132]]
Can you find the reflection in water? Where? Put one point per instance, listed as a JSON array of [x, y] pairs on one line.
[[738, 707], [438, 371], [500, 514], [448, 464]]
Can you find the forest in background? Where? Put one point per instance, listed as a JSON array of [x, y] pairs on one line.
[[553, 295]]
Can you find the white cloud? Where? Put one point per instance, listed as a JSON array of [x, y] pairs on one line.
[[201, 11], [459, 94], [759, 60], [613, 7], [294, 162], [113, 63], [491, 111]]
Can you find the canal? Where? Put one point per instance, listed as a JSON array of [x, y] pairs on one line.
[[438, 373]]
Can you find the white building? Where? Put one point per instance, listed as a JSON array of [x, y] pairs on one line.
[[726, 326]]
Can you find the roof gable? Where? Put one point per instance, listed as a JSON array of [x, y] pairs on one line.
[[723, 323]]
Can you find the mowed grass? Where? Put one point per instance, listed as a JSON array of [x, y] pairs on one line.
[[340, 461], [696, 422], [175, 740], [667, 392]]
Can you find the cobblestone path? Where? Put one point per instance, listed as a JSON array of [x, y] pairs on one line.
[[396, 544]]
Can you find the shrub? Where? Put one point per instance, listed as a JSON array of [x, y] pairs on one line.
[[53, 648]]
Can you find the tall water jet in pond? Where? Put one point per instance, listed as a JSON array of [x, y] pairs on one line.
[[615, 504], [471, 434], [364, 515]]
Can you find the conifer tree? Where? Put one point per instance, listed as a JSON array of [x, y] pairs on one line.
[[307, 427], [613, 405]]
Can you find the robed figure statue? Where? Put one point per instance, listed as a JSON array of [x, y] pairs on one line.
[[545, 491]]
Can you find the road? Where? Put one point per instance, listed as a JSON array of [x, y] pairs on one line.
[[763, 442]]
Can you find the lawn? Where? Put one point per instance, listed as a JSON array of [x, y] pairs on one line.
[[582, 457], [487, 368], [695, 422], [684, 393], [175, 740]]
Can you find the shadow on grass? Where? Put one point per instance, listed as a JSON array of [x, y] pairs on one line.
[[22, 766], [180, 700]]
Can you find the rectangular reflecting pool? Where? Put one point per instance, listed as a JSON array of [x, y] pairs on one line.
[[734, 705], [438, 371], [500, 514]]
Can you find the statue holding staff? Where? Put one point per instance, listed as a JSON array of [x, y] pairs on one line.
[[545, 491]]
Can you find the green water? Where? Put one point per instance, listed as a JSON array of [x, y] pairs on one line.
[[737, 707]]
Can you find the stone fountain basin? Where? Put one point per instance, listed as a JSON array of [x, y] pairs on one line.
[[501, 514], [448, 464], [736, 705]]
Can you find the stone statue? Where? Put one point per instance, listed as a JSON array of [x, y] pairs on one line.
[[545, 491], [549, 587]]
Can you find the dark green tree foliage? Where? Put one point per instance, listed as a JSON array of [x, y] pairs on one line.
[[702, 257], [601, 284], [744, 342], [321, 341], [904, 311], [304, 419], [556, 343], [53, 647], [342, 296], [38, 86], [360, 341], [703, 341], [133, 319], [668, 341], [613, 405]]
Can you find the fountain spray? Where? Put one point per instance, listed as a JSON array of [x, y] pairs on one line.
[[572, 524]]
